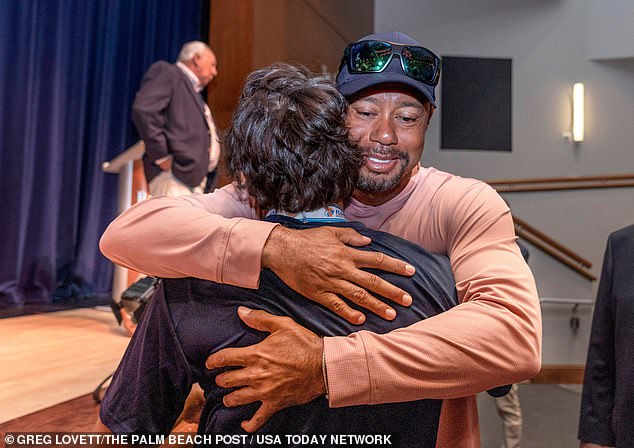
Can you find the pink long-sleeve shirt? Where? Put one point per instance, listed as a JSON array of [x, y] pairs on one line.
[[492, 338]]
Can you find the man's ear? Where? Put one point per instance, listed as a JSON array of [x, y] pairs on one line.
[[431, 113]]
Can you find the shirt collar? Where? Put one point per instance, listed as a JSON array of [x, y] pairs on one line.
[[332, 213], [375, 216], [191, 76]]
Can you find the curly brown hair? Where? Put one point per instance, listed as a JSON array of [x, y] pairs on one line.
[[287, 144]]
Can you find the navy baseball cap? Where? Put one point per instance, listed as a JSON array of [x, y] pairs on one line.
[[349, 84]]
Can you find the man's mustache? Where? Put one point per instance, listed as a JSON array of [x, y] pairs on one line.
[[387, 152]]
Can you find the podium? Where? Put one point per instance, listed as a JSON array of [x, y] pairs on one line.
[[132, 188]]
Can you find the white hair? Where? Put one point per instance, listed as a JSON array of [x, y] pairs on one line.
[[190, 49]]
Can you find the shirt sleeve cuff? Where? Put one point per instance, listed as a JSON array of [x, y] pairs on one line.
[[347, 370], [242, 260], [163, 159]]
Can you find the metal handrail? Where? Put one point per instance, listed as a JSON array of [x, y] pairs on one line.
[[553, 248], [562, 183], [566, 301], [551, 242], [562, 179]]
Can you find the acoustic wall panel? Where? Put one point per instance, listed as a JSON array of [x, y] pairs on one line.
[[476, 104]]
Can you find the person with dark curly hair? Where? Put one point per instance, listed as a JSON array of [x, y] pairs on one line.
[[287, 145], [289, 153]]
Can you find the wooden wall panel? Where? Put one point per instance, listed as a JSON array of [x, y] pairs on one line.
[[270, 34], [351, 19], [311, 32], [250, 34], [560, 374], [311, 39], [231, 38]]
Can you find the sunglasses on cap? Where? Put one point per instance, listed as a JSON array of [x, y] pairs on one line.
[[373, 56]]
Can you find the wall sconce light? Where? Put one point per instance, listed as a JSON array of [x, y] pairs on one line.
[[577, 112], [576, 132]]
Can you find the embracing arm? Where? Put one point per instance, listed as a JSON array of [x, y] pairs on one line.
[[187, 237], [492, 338]]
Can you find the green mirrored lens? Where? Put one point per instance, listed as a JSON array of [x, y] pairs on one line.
[[419, 64], [373, 56], [370, 56]]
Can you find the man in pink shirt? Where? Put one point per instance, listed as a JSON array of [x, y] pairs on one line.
[[493, 337]]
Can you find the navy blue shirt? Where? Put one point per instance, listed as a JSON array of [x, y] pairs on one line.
[[188, 319]]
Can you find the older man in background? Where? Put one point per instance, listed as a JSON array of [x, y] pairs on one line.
[[181, 143]]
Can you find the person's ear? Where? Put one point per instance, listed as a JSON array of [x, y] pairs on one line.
[[431, 113]]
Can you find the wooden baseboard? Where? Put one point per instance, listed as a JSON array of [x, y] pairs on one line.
[[560, 374]]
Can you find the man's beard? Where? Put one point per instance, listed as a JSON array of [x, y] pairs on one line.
[[371, 182]]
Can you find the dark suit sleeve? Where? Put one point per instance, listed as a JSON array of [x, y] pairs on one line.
[[597, 402], [149, 109]]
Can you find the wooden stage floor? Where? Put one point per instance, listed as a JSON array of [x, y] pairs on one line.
[[51, 358]]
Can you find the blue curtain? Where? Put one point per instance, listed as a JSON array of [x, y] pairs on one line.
[[69, 70]]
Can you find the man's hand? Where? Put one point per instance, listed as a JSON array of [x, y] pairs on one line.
[[126, 323], [591, 445], [188, 420], [281, 371], [319, 264], [165, 165]]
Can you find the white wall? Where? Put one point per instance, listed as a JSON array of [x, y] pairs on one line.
[[611, 30], [548, 41]]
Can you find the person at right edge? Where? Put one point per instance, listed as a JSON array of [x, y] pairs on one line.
[[492, 338], [607, 401]]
